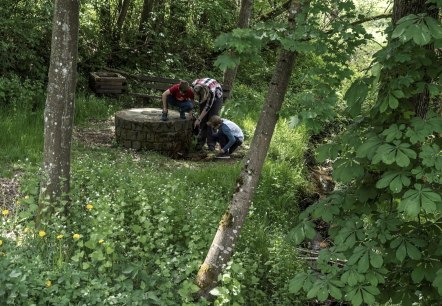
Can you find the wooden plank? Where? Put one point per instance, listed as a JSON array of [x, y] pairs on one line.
[[107, 86], [108, 91], [109, 83]]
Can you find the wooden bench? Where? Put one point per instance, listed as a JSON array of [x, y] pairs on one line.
[[155, 86]]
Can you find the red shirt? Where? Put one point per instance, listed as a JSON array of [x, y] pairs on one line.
[[175, 91]]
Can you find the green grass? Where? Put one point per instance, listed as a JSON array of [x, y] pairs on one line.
[[21, 138], [150, 225]]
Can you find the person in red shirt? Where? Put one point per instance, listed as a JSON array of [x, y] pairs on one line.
[[179, 95]]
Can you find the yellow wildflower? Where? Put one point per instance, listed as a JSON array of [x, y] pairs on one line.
[[1, 242], [26, 197], [17, 202], [5, 212], [76, 236], [59, 236], [48, 283], [42, 234], [89, 206], [100, 241]]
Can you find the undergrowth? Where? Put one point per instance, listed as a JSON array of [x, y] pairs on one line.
[[139, 225]]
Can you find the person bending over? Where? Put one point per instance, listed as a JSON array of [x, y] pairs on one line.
[[229, 135], [210, 99], [179, 95]]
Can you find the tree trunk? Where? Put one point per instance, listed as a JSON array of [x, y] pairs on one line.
[[59, 110], [144, 19], [233, 219], [120, 21], [401, 9], [243, 22]]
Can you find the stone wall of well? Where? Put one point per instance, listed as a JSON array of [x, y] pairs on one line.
[[142, 129]]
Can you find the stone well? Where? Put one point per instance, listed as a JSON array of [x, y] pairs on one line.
[[142, 129]]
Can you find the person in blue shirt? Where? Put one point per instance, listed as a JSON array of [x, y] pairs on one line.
[[229, 135]]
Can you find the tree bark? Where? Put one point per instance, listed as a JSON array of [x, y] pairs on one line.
[[243, 22], [402, 8], [59, 109], [120, 21], [233, 219], [146, 14]]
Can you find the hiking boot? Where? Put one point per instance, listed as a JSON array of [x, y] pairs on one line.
[[182, 115], [223, 155], [164, 117]]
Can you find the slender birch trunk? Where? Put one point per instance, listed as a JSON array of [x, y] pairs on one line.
[[233, 219]]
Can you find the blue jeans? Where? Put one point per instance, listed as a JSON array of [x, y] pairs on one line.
[[223, 140], [183, 106]]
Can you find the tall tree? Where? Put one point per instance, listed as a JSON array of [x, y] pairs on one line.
[[243, 22], [59, 110], [122, 13], [233, 219], [146, 15]]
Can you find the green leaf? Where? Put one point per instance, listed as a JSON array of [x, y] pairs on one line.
[[402, 25], [345, 170], [357, 298], [418, 274], [335, 292], [313, 291], [363, 263], [420, 34], [415, 199], [392, 133], [437, 283], [369, 147], [322, 294], [412, 251], [401, 252], [309, 229], [402, 159], [328, 151], [395, 180], [225, 61], [376, 260], [368, 297], [393, 102], [434, 27], [356, 95], [297, 282], [386, 153]]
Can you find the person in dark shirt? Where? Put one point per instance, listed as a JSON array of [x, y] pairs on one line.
[[179, 95], [229, 135]]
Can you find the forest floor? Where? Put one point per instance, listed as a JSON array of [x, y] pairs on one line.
[[98, 133]]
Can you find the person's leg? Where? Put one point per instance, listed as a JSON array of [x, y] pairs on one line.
[[202, 135], [185, 106], [170, 100], [214, 110], [235, 145], [223, 140]]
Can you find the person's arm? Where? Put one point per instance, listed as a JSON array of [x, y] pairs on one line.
[[164, 99], [201, 117], [206, 109], [226, 130]]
